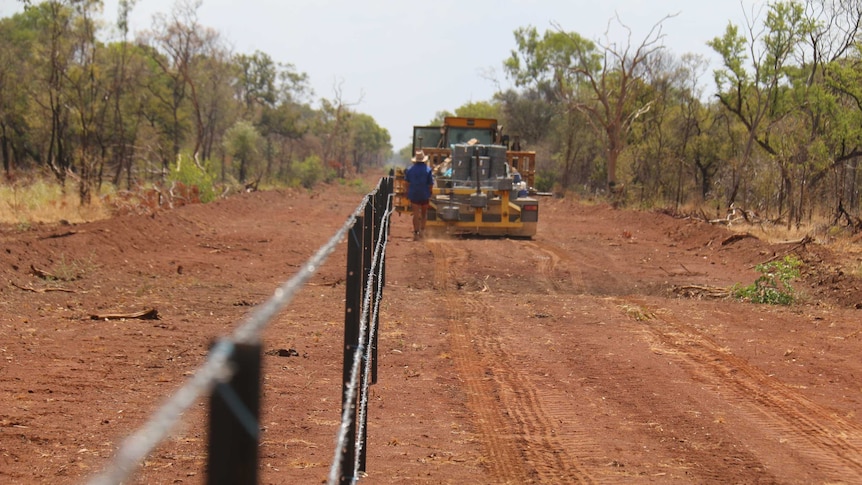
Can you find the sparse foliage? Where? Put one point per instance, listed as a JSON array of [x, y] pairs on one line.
[[94, 110], [773, 286], [241, 143], [778, 132]]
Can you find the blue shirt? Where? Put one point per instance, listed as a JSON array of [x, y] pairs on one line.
[[420, 179]]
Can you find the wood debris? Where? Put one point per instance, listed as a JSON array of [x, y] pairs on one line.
[[60, 234], [41, 273], [737, 237], [151, 314], [701, 291], [41, 290]]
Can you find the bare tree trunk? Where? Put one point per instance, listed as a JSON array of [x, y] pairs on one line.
[[4, 151]]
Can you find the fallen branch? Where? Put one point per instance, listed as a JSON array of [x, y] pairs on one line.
[[41, 273], [60, 234], [41, 290], [796, 244], [701, 291], [151, 314], [737, 237], [688, 272]]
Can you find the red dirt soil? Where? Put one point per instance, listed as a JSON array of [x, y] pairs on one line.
[[568, 358]]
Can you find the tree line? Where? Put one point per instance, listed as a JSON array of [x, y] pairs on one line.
[[777, 131], [175, 101]]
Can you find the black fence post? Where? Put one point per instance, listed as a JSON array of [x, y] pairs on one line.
[[380, 203], [384, 194], [352, 310], [362, 240], [367, 253], [233, 423]]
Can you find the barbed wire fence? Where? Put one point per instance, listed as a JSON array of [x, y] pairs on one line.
[[231, 372], [360, 344]]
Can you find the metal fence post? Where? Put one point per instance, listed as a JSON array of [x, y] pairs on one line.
[[352, 310], [233, 423], [367, 258], [379, 213], [383, 194]]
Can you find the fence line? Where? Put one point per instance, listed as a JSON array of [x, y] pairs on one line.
[[336, 474], [216, 369], [367, 376]]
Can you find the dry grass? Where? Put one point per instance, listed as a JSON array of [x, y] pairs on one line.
[[840, 240], [45, 202]]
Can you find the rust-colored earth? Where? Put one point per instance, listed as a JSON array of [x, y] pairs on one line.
[[568, 358]]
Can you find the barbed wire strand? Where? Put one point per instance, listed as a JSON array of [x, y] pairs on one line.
[[139, 444], [366, 376], [347, 412]]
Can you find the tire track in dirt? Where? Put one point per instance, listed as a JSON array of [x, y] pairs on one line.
[[513, 416], [594, 272], [504, 455], [553, 262], [818, 437], [546, 265]]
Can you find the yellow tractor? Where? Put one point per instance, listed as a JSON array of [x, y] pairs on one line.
[[483, 180]]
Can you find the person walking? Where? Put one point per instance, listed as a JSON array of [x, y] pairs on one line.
[[421, 181]]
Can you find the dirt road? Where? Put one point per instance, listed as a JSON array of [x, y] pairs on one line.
[[563, 359]]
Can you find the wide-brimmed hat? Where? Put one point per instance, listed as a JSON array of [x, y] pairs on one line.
[[420, 156]]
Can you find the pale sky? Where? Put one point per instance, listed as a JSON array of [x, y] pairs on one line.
[[402, 61]]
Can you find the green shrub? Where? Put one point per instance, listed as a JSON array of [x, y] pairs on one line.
[[545, 180], [310, 171], [773, 286], [190, 175], [357, 185]]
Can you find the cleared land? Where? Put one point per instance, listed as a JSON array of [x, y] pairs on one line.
[[566, 358]]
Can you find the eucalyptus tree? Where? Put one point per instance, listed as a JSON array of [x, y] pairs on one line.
[[780, 80], [844, 77], [616, 90], [663, 144], [256, 80], [52, 97], [16, 73], [836, 63], [601, 80], [284, 127], [217, 109], [370, 142], [713, 150], [546, 68], [62, 88], [125, 117], [653, 148], [50, 59], [275, 96], [88, 88], [182, 49], [255, 86], [527, 113], [333, 130], [242, 143], [689, 127], [479, 109]]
